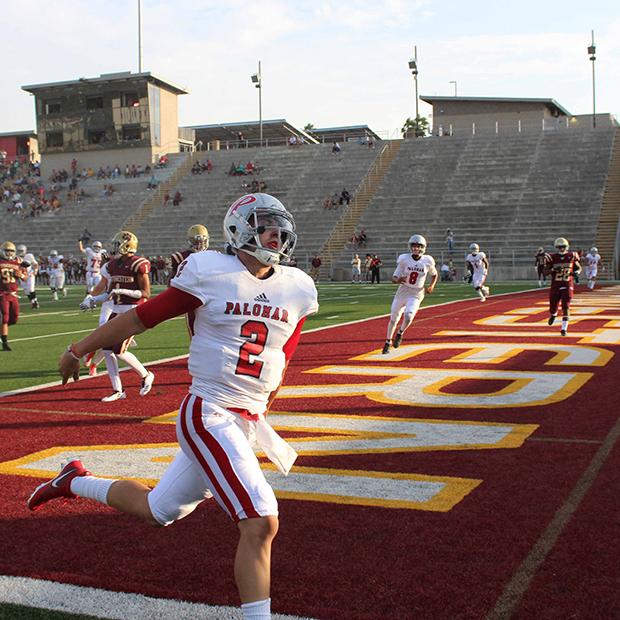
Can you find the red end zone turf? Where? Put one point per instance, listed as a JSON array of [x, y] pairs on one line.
[[465, 477]]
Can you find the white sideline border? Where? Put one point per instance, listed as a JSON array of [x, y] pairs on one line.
[[307, 331], [100, 603]]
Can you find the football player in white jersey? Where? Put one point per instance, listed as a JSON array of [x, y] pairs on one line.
[[477, 264], [29, 284], [56, 270], [593, 258], [250, 309], [94, 259], [411, 271]]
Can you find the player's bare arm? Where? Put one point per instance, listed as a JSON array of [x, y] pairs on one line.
[[81, 247], [116, 330], [398, 279], [431, 287]]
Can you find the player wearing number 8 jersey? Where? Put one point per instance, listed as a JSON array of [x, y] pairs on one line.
[[411, 271], [249, 313], [562, 266]]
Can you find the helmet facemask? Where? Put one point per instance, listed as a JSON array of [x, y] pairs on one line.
[[8, 250], [198, 238], [248, 220]]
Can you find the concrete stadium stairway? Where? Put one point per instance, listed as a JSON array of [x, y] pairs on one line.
[[609, 218]]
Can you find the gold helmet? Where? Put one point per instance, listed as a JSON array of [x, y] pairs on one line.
[[124, 242], [198, 238], [8, 250], [561, 244]]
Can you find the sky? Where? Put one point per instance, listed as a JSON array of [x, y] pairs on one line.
[[329, 63]]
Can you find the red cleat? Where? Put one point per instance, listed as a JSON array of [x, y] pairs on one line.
[[58, 487]]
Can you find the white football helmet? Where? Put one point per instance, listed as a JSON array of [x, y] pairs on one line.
[[54, 253], [417, 240], [593, 250], [21, 250], [474, 248], [97, 246], [249, 216]]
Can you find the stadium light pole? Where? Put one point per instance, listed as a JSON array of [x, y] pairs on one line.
[[454, 82], [257, 80], [139, 36], [413, 66], [592, 52]]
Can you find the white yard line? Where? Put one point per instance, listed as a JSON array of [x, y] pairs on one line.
[[107, 604]]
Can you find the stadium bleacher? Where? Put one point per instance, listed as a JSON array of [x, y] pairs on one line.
[[509, 193]]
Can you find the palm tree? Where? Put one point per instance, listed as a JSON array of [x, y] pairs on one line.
[[417, 127]]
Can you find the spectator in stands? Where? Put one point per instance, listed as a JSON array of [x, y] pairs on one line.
[[232, 171], [153, 183], [292, 141], [327, 202], [176, 201], [249, 168], [239, 139], [166, 199], [336, 147], [74, 165], [450, 240], [375, 269], [344, 197], [446, 274], [362, 238], [208, 166], [163, 160], [370, 142], [315, 267]]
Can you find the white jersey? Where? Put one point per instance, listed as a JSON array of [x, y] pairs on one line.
[[477, 263], [93, 260], [56, 265], [415, 271], [593, 260], [32, 261], [236, 354]]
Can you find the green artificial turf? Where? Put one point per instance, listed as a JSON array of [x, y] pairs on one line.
[[41, 335]]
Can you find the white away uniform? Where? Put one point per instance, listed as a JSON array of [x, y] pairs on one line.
[[93, 268], [410, 293], [56, 270], [592, 261], [237, 358], [480, 270], [28, 285]]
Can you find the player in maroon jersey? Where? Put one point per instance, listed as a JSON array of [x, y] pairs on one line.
[[197, 240], [125, 282], [539, 264], [562, 267], [12, 269]]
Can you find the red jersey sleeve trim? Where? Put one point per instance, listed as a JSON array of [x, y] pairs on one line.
[[168, 304], [293, 341]]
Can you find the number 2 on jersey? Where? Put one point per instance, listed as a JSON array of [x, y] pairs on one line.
[[256, 333]]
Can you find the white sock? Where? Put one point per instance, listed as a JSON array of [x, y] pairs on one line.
[[111, 363], [480, 293], [131, 360], [257, 610], [92, 488], [564, 324]]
